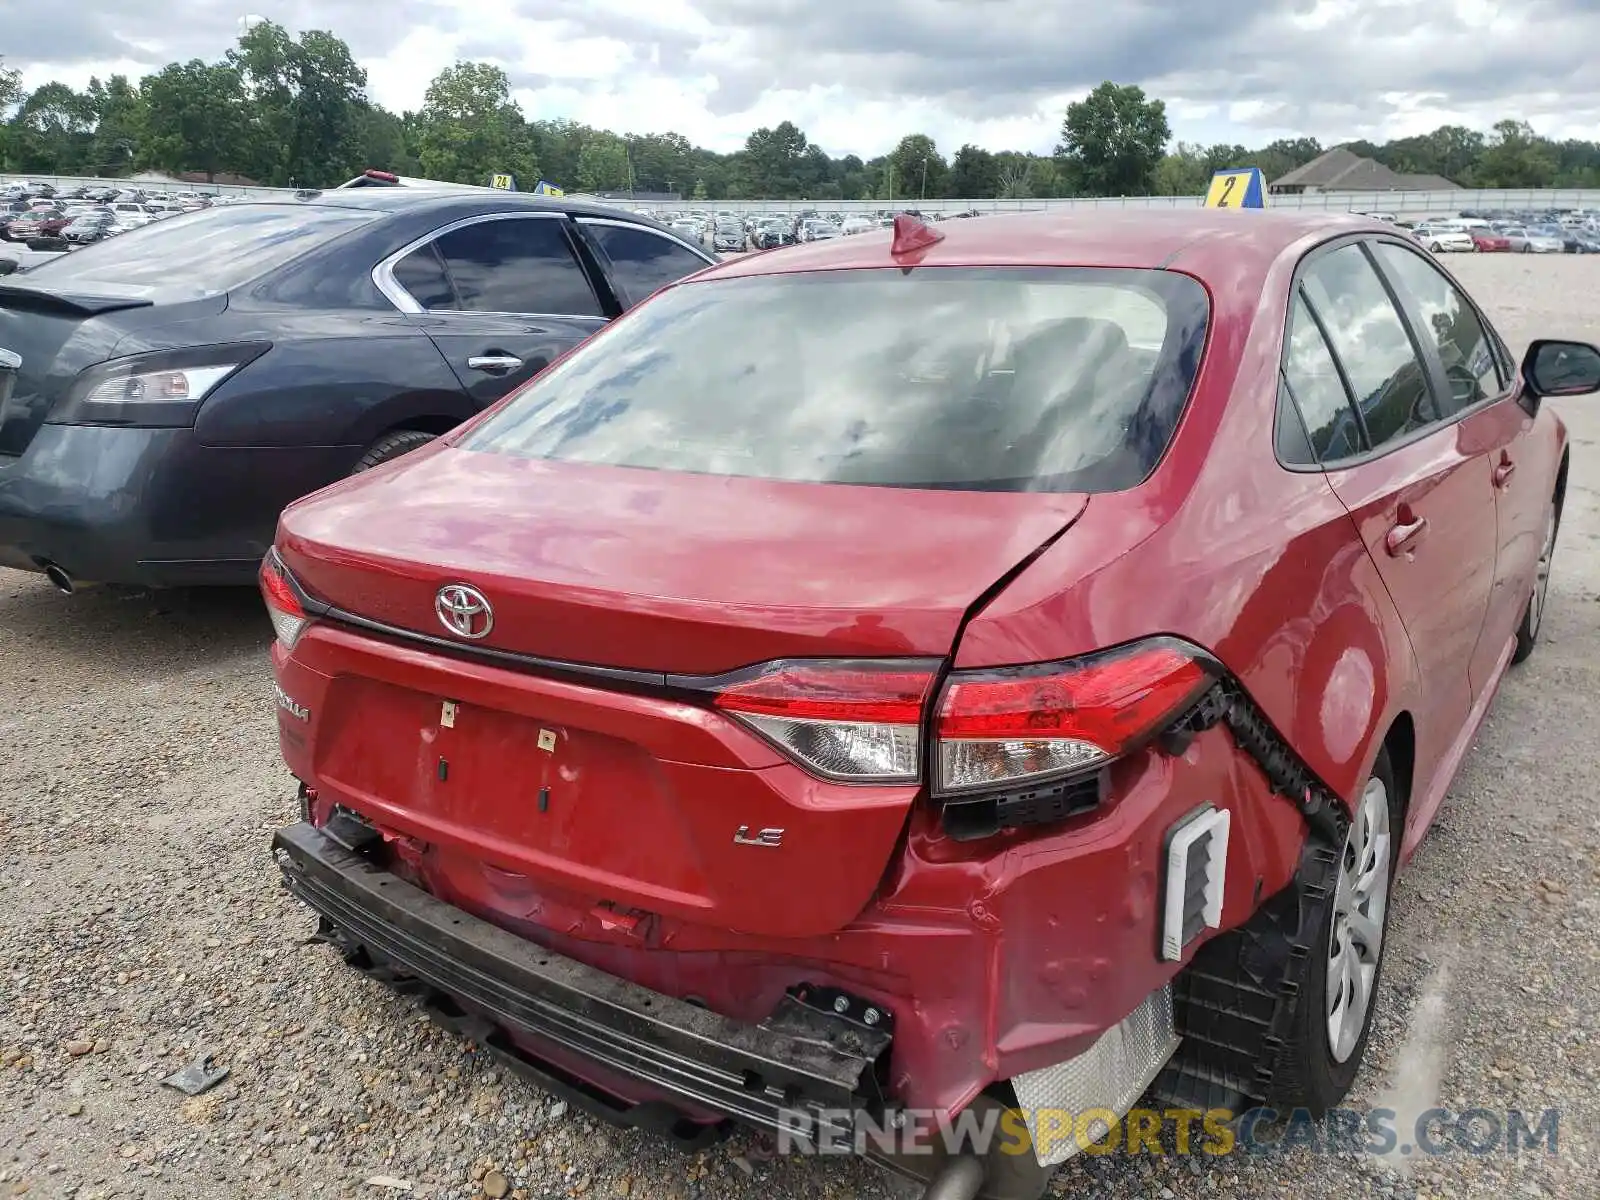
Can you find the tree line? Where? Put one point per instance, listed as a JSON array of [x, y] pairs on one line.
[[288, 110]]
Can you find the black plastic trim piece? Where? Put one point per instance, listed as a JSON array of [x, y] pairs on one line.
[[797, 1061]]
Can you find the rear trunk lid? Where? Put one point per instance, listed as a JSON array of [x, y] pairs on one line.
[[660, 571], [597, 801]]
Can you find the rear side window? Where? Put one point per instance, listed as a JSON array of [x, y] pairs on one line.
[[199, 254], [517, 265], [1450, 322], [639, 262], [1312, 381], [422, 275], [975, 379], [1372, 344]]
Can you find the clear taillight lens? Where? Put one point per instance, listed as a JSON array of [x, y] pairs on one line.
[[1022, 723], [858, 721], [283, 602]]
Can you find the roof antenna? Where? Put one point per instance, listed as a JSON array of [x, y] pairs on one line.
[[911, 235]]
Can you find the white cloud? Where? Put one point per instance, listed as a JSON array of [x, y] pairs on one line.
[[856, 77]]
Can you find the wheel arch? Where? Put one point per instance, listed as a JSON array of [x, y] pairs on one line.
[[1401, 744]]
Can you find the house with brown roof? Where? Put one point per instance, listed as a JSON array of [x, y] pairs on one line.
[[1340, 170]]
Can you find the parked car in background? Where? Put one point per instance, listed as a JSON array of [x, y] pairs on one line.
[[1486, 241], [729, 238], [1443, 237], [1534, 240], [845, 685], [92, 226], [36, 223], [180, 383]]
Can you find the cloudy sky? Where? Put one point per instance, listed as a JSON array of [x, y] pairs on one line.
[[857, 74]]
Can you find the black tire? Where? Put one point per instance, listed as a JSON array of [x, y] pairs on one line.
[[391, 446], [1533, 614], [1307, 1074]]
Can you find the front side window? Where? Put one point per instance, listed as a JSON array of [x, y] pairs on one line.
[[639, 262], [1370, 338], [967, 379], [516, 265], [1449, 322]]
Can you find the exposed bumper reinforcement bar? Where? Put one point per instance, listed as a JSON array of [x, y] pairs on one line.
[[798, 1065]]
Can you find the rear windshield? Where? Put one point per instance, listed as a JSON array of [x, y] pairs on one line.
[[199, 254], [948, 378]]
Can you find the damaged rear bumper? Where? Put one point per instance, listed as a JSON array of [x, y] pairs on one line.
[[801, 1068]]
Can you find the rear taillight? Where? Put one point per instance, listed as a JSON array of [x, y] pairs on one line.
[[283, 602], [1031, 723], [862, 720], [850, 720]]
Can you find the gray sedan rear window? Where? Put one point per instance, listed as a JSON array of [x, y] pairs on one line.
[[948, 378], [199, 254]]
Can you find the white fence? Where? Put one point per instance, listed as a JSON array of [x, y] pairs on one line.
[[1400, 203]]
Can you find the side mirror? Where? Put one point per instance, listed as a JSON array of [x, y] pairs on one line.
[[1555, 368]]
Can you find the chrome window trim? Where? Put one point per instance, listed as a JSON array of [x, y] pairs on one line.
[[666, 235], [383, 274]]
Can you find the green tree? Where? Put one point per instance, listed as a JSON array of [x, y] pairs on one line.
[[119, 134], [1277, 159], [52, 131], [919, 168], [305, 97], [196, 117], [974, 174], [469, 129], [662, 162], [1113, 139], [556, 145], [773, 161], [700, 192], [381, 141], [1516, 157], [10, 85], [603, 165]]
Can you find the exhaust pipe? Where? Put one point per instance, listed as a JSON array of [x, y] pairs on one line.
[[59, 577], [960, 1178]]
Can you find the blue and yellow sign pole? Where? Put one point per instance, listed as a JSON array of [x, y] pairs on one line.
[[1242, 187]]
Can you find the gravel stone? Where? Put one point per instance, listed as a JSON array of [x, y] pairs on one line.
[[144, 925]]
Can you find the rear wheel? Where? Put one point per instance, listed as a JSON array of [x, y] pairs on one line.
[[1533, 615], [391, 446], [1435, 247]]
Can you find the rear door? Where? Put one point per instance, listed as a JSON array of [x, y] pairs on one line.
[[1491, 421], [501, 295], [1420, 493], [638, 260]]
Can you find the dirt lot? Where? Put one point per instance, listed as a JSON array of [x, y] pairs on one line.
[[142, 925]]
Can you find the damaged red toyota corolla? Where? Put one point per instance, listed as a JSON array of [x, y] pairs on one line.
[[990, 671]]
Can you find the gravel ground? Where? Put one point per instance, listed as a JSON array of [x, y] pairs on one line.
[[143, 925]]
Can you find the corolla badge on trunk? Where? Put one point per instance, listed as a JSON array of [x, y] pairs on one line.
[[464, 611]]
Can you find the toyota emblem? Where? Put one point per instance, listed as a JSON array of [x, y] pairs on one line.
[[464, 611]]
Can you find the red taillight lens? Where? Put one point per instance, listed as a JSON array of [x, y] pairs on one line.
[[859, 721], [995, 727], [283, 602]]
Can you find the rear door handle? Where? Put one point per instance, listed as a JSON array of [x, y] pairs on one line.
[[1402, 538], [1504, 472], [495, 364]]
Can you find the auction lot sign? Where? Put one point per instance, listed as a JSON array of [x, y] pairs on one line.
[[1241, 188]]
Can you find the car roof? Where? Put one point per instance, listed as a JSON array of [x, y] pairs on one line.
[[409, 200], [1189, 238]]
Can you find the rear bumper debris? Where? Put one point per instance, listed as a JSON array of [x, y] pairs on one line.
[[800, 1066]]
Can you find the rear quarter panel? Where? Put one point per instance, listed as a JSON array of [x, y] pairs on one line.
[[1258, 564]]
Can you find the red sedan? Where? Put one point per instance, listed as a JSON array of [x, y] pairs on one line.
[[40, 223], [1490, 243], [999, 667]]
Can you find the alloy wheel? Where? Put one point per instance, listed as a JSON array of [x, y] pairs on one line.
[[1355, 939], [1541, 578]]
